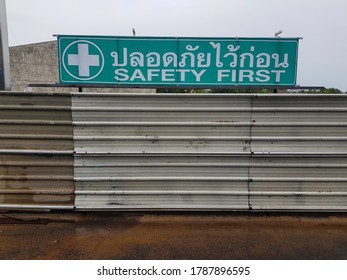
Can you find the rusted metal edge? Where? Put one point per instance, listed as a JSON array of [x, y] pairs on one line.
[[35, 206], [36, 152]]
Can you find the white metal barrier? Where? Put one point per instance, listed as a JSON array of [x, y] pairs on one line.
[[89, 151]]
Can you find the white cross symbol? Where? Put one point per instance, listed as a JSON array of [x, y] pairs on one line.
[[83, 60]]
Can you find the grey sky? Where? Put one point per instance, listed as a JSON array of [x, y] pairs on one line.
[[322, 24]]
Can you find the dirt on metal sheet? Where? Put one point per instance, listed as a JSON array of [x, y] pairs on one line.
[[172, 236]]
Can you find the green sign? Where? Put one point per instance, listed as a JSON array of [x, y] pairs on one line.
[[185, 62]]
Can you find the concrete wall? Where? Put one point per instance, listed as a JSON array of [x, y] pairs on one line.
[[38, 63], [35, 63]]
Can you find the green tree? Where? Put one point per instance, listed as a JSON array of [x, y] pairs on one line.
[[331, 90], [325, 90]]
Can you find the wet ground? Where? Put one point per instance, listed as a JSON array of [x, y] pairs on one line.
[[113, 235]]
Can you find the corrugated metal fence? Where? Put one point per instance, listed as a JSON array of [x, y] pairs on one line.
[[175, 151]]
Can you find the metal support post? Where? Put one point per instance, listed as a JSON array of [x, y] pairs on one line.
[[5, 80]]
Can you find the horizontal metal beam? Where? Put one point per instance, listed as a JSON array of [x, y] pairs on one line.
[[34, 152], [152, 178], [164, 123], [36, 207], [167, 207], [212, 193], [295, 87], [36, 177]]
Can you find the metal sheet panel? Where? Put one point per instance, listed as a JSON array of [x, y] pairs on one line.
[[166, 181], [36, 151], [161, 151], [299, 153]]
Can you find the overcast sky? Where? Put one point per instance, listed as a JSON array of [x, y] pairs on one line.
[[321, 23]]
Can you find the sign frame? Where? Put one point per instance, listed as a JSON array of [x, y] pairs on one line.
[[91, 47]]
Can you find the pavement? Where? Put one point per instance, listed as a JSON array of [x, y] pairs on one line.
[[170, 236]]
